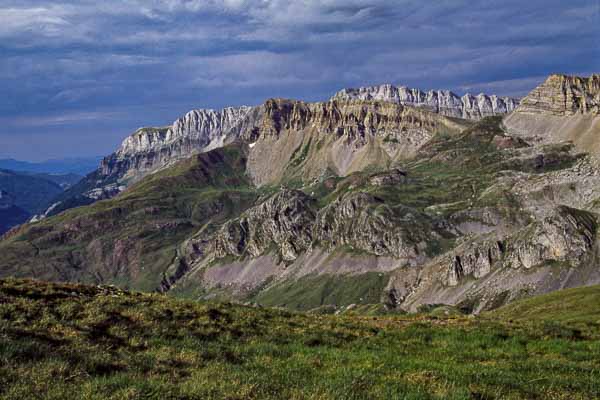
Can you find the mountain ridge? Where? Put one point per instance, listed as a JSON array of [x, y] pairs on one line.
[[562, 108], [78, 166], [352, 196], [443, 102], [150, 149]]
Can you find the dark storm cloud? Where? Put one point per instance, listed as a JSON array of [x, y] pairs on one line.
[[79, 75]]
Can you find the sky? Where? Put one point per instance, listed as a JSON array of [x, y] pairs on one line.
[[76, 77]]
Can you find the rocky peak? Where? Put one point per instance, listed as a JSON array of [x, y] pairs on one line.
[[353, 118], [564, 95], [440, 101], [198, 131], [207, 127], [284, 221]]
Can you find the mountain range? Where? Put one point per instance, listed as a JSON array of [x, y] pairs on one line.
[[380, 195], [153, 148], [77, 166]]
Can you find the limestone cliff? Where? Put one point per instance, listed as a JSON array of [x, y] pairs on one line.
[[563, 108], [149, 149], [440, 101], [308, 140], [564, 95]]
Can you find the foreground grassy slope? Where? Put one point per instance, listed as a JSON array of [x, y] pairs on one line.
[[68, 341]]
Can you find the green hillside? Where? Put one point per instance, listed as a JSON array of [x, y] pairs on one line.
[[579, 307], [131, 239], [61, 341]]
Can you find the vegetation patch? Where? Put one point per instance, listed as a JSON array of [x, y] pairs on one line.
[[82, 342], [314, 291]]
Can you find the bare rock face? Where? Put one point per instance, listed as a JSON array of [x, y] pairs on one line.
[[290, 224], [352, 120], [563, 108], [564, 235], [364, 222], [475, 261], [342, 136], [208, 128], [440, 101], [284, 220], [564, 95], [394, 177], [198, 131]]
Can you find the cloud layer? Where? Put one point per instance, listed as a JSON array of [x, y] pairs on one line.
[[137, 62]]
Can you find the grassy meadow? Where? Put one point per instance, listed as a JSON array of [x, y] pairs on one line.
[[64, 341]]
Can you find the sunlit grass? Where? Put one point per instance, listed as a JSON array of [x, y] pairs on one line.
[[68, 341]]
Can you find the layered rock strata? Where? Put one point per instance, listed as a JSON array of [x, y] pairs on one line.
[[564, 95], [440, 101]]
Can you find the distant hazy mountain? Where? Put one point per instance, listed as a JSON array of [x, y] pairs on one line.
[[10, 214], [79, 166], [30, 192], [24, 194], [65, 181]]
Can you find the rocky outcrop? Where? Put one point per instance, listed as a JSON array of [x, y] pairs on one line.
[[474, 261], [284, 221], [364, 222], [394, 177], [563, 108], [289, 224], [440, 101], [564, 95], [563, 235], [149, 149]]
